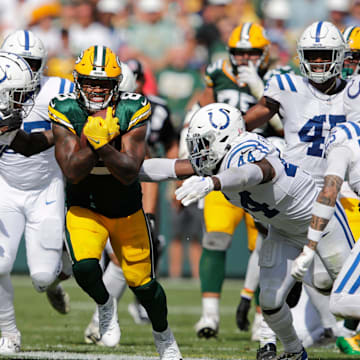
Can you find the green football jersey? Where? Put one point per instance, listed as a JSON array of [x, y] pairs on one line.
[[220, 77], [100, 191]]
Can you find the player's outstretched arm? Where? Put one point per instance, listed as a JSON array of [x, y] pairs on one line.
[[75, 161], [33, 143], [260, 113], [125, 164]]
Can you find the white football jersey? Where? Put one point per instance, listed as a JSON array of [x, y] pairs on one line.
[[307, 115], [36, 171], [286, 201], [347, 136]]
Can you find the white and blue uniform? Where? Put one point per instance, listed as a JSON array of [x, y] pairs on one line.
[[32, 200], [285, 203], [307, 115], [344, 143]]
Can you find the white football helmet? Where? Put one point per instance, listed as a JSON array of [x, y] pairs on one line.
[[211, 132], [17, 84], [26, 44], [322, 38]]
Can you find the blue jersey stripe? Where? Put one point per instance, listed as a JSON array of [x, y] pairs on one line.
[[348, 274], [347, 131], [62, 86], [318, 29], [341, 210], [356, 127], [245, 145], [291, 84], [355, 286], [27, 42], [72, 85], [280, 83], [348, 238]]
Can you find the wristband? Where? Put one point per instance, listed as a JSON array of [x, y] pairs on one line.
[[323, 211], [314, 235]]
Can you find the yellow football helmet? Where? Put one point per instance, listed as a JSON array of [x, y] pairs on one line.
[[97, 77], [249, 38], [352, 55]]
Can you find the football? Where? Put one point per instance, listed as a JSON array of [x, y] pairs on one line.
[[83, 139]]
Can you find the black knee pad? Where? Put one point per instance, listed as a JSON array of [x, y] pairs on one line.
[[294, 295], [87, 272]]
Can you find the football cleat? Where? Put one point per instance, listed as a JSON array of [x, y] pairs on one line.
[[267, 352], [166, 345], [302, 355], [108, 323], [138, 313], [349, 345], [59, 299], [10, 343], [92, 332], [207, 327], [242, 312]]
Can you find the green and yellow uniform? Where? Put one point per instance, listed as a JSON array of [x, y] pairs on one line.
[[100, 206]]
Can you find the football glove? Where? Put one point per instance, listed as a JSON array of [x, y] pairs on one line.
[[99, 131], [302, 263], [248, 74], [10, 123], [194, 189]]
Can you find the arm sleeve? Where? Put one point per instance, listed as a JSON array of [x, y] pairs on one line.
[[336, 167], [240, 178], [156, 170]]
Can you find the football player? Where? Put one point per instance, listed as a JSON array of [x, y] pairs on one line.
[[237, 81], [103, 192], [159, 132], [309, 106], [32, 200], [250, 173]]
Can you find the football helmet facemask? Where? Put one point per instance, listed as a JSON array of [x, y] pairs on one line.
[[352, 54], [17, 84], [97, 77], [211, 132], [250, 41], [26, 44], [321, 50]]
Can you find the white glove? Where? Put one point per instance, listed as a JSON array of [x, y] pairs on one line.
[[302, 263], [248, 74], [194, 189]]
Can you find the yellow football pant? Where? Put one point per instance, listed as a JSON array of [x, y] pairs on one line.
[[129, 236], [351, 207], [222, 216]]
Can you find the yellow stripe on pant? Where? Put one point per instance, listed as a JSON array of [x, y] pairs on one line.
[[88, 232], [222, 216]]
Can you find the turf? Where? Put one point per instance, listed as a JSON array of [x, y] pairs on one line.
[[49, 335]]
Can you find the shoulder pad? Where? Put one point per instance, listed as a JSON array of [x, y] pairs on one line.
[[248, 149]]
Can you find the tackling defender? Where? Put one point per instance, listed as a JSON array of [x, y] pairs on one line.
[[249, 171]]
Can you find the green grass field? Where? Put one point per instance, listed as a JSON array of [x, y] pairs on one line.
[[49, 335]]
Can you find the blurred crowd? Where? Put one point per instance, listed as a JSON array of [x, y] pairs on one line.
[[175, 40]]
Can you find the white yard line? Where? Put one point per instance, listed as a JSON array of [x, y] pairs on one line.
[[79, 356]]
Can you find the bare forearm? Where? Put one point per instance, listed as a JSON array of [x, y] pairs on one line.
[[79, 165], [120, 164]]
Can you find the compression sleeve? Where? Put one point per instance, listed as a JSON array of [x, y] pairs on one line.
[[155, 170], [240, 178]]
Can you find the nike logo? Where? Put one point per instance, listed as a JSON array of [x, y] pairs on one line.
[[143, 103], [92, 139], [324, 234], [49, 202]]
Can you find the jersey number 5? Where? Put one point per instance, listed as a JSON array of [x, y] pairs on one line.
[[312, 132]]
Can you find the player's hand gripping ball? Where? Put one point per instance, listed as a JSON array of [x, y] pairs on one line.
[[101, 128]]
